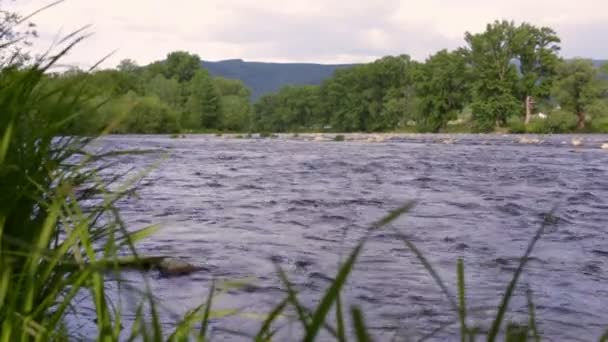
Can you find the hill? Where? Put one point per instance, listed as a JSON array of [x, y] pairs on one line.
[[263, 78]]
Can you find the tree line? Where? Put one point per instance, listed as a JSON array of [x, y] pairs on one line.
[[500, 79], [170, 96], [480, 87]]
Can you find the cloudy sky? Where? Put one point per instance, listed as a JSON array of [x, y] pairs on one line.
[[326, 31]]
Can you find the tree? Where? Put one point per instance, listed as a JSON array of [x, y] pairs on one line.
[[536, 51], [355, 99], [168, 90], [443, 88], [127, 65], [511, 64], [495, 76], [577, 87], [203, 102], [147, 115], [182, 66]]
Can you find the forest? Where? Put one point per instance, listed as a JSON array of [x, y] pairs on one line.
[[510, 78]]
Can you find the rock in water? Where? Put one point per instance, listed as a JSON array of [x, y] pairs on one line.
[[526, 140], [604, 146], [577, 141], [175, 267]]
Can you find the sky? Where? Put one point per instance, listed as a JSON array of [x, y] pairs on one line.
[[322, 31]]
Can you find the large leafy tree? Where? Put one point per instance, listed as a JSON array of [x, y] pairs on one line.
[[536, 52], [442, 86], [182, 66], [234, 104], [490, 54], [509, 63], [577, 87], [366, 97]]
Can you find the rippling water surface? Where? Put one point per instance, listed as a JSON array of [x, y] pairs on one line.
[[235, 206]]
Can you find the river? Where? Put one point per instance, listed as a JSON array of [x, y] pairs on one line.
[[237, 206]]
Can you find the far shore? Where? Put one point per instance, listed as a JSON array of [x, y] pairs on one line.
[[593, 140]]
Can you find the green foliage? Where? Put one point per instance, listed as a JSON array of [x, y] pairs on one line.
[[577, 88], [291, 109], [516, 125], [203, 102], [148, 115], [169, 91], [500, 86], [182, 66], [536, 50], [442, 86]]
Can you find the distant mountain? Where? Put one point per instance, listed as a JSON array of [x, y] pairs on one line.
[[263, 78]]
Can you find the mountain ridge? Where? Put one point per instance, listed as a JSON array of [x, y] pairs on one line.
[[268, 77]]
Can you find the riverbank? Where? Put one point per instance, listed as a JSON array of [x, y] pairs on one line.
[[574, 140]]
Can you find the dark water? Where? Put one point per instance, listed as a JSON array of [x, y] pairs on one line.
[[236, 206]]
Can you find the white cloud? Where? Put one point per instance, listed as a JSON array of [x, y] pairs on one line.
[[313, 30]]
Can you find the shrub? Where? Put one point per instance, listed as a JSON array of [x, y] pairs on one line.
[[516, 125], [556, 122]]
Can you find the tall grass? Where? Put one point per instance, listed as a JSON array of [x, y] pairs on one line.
[[60, 230]]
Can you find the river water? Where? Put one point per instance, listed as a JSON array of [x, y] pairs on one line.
[[237, 206]]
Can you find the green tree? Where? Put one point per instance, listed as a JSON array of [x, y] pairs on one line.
[[234, 104], [536, 51], [494, 91], [203, 102], [182, 66], [127, 65], [147, 115], [509, 64], [168, 90], [291, 109], [355, 99], [577, 87], [442, 86]]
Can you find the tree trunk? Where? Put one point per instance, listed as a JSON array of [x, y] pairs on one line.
[[581, 120], [529, 104]]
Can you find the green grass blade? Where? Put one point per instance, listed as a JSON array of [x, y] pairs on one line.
[[549, 219], [604, 337], [340, 319], [293, 298], [532, 314], [462, 312], [393, 215], [6, 140], [330, 295], [427, 265], [205, 323], [274, 314], [359, 325]]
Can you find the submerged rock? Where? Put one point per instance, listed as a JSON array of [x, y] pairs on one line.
[[175, 267]]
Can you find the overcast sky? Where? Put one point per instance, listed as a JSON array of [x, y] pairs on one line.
[[326, 31]]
